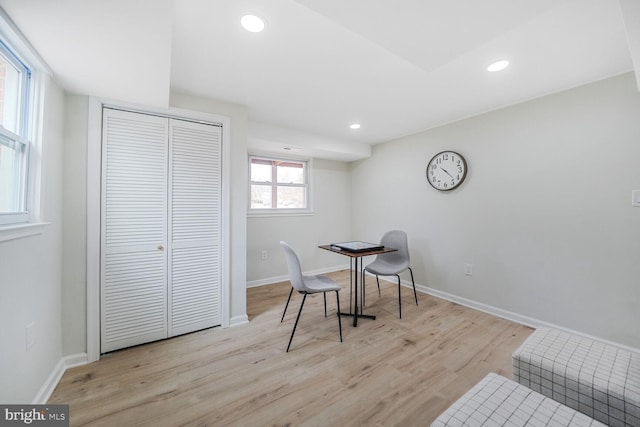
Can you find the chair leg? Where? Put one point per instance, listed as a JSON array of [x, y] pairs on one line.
[[339, 321], [378, 280], [364, 288], [399, 298], [414, 286], [295, 325], [324, 296], [286, 305]]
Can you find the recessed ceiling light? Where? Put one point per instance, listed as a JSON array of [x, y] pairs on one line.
[[252, 23], [498, 65], [355, 126]]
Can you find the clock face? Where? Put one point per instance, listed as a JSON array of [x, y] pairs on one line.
[[446, 170]]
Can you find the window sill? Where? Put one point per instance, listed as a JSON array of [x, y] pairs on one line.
[[278, 213], [20, 231]]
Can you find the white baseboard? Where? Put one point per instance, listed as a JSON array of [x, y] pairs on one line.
[[505, 314], [494, 311], [267, 281], [278, 279], [485, 308], [54, 378], [238, 320]]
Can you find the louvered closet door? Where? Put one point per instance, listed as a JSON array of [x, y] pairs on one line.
[[134, 229], [195, 213]]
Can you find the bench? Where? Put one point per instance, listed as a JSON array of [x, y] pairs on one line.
[[497, 401], [596, 379]]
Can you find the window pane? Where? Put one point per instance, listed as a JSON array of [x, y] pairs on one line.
[[10, 198], [9, 95], [278, 184], [291, 173], [291, 197], [261, 197], [14, 137], [261, 171]]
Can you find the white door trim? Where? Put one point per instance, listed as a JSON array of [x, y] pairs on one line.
[[94, 176]]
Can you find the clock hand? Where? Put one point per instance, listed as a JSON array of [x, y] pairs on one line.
[[445, 171]]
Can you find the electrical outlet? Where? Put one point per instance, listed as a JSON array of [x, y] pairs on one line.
[[263, 255], [31, 335], [468, 269]]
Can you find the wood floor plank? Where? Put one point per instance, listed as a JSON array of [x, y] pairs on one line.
[[388, 371]]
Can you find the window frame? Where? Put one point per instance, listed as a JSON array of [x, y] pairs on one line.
[[27, 221], [20, 138], [275, 211]]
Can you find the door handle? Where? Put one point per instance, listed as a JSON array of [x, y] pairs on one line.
[[160, 248]]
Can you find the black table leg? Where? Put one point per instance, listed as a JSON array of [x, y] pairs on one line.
[[350, 313], [354, 282]]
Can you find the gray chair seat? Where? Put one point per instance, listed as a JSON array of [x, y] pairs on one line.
[[316, 284], [381, 267]]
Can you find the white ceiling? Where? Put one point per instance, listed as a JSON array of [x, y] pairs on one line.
[[397, 67]]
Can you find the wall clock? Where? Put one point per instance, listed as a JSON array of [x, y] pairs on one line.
[[446, 170]]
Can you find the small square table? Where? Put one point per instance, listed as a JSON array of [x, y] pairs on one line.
[[353, 279]]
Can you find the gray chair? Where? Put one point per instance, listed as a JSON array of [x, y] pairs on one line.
[[307, 285], [393, 263]]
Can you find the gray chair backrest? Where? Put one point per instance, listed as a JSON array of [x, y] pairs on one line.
[[295, 271], [396, 239]]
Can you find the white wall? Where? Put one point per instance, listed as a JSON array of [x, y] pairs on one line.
[[330, 222], [544, 215], [31, 278], [74, 250]]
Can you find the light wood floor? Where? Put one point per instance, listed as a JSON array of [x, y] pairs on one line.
[[387, 372]]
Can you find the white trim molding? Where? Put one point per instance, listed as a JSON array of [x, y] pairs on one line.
[[94, 162], [475, 305], [54, 378], [238, 321], [19, 231], [505, 314]]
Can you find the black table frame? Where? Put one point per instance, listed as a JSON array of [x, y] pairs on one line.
[[353, 278]]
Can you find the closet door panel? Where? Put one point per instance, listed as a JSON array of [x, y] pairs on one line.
[[196, 299], [134, 229], [195, 212]]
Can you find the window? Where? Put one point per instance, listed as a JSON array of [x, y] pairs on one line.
[[278, 185], [15, 80]]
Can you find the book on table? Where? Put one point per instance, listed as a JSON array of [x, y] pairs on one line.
[[357, 246]]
